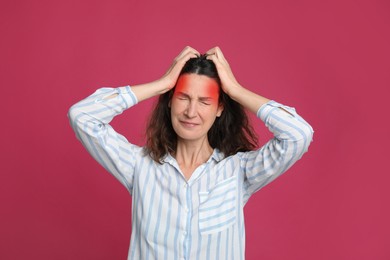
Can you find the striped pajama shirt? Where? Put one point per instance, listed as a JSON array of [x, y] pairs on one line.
[[201, 218]]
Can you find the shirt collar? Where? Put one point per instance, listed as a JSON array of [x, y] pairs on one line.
[[217, 155]]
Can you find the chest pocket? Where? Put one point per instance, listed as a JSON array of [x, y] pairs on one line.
[[218, 207]]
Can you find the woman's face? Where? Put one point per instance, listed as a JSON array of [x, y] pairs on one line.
[[194, 106]]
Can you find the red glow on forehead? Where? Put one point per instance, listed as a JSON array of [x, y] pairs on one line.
[[202, 85]]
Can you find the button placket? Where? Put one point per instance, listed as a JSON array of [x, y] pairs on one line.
[[186, 218]]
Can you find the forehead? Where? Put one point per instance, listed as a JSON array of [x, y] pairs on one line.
[[197, 85]]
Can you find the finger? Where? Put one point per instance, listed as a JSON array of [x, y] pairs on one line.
[[212, 56], [184, 54], [220, 55], [218, 64], [222, 66], [211, 52], [186, 57], [180, 62], [185, 51], [217, 52]]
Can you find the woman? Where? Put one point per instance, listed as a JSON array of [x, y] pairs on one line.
[[190, 182]]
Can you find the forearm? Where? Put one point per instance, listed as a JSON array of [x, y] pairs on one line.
[[151, 89], [285, 123], [100, 107], [247, 98], [292, 137], [90, 119]]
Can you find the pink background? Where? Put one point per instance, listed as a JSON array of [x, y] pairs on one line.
[[329, 59]]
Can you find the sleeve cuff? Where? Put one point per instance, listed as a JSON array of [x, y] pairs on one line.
[[128, 95], [266, 109]]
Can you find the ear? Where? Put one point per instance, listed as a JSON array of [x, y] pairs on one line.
[[219, 110]]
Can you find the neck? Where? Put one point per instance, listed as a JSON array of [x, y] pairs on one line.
[[189, 155]]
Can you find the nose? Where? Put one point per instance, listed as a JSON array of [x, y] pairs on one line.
[[191, 110]]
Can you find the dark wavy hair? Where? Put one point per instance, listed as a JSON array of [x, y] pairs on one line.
[[231, 132]]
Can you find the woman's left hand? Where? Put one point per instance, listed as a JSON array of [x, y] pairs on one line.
[[229, 83]]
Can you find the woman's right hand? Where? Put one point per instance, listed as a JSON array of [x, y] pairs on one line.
[[171, 76], [168, 81]]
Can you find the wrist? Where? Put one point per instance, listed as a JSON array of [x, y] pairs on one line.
[[162, 85], [148, 90], [235, 91]]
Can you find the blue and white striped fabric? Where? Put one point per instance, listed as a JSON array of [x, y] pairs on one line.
[[201, 218]]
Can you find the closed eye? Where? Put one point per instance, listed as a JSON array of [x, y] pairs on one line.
[[182, 96], [205, 100]]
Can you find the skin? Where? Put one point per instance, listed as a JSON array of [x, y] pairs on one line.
[[193, 148], [194, 107]]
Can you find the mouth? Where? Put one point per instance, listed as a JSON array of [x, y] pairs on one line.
[[188, 124]]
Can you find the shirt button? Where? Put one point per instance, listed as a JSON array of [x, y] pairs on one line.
[[186, 209]]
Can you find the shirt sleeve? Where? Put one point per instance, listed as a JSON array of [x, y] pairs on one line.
[[292, 137], [90, 120]]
